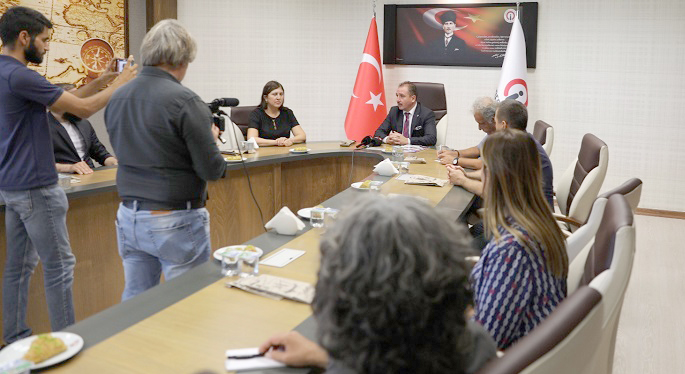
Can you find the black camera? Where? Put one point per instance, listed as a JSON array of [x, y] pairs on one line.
[[217, 118]]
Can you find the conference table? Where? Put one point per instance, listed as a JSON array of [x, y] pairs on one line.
[[186, 324]]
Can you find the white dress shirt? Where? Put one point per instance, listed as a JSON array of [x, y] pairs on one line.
[[76, 138]]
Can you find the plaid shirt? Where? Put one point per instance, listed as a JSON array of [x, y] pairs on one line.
[[513, 289]]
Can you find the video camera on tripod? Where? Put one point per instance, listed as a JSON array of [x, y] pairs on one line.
[[217, 113]]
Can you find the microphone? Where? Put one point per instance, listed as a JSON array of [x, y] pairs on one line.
[[370, 142], [226, 101]]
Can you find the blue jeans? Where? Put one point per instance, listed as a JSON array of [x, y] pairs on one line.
[[151, 242], [36, 225]]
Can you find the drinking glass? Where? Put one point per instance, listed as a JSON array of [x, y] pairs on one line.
[[230, 263], [64, 181], [250, 265], [397, 153], [403, 168], [317, 216]]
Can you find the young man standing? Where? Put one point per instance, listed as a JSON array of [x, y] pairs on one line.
[[35, 207]]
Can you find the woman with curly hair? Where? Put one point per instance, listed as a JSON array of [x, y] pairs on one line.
[[391, 296]]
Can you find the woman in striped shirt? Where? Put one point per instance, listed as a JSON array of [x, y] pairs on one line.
[[521, 276]]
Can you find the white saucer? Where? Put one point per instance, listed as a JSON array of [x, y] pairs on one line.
[[356, 185], [305, 213], [221, 251], [18, 349], [292, 150]]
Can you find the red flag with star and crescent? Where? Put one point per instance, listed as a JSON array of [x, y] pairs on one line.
[[367, 108]]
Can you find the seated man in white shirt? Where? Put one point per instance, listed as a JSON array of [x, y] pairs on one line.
[[409, 122], [75, 143], [484, 114]]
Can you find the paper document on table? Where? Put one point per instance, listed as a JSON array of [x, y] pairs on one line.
[[404, 177], [277, 286], [282, 257], [244, 364], [425, 181]]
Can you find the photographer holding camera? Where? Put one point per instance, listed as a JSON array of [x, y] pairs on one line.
[[164, 137]]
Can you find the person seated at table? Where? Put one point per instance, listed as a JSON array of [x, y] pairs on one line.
[[483, 110], [271, 122], [521, 275], [394, 304], [75, 142], [510, 114], [409, 122]]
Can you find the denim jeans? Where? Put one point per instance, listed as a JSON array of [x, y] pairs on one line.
[[36, 225], [151, 242]]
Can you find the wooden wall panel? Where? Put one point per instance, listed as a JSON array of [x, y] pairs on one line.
[[157, 10]]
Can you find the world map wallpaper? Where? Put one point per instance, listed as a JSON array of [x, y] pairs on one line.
[[86, 34]]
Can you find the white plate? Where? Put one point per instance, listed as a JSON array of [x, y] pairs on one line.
[[244, 158], [221, 251], [292, 150], [386, 151], [305, 213], [356, 185], [19, 348]]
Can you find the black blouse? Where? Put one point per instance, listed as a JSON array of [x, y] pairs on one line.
[[273, 128]]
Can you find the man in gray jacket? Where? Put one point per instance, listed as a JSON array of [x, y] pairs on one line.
[[166, 143]]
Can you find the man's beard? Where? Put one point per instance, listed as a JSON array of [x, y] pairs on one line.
[[31, 53]]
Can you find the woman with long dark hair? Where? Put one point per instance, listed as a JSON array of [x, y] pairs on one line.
[[271, 123]]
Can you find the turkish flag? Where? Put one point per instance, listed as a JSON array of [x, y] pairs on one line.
[[367, 108]]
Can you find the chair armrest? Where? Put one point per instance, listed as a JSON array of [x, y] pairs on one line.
[[568, 220]]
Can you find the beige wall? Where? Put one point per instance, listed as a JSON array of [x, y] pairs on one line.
[[613, 68]]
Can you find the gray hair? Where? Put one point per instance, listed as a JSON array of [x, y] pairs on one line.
[[393, 274], [168, 42], [487, 107]]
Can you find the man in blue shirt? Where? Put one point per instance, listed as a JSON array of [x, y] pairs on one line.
[[510, 114], [35, 207]]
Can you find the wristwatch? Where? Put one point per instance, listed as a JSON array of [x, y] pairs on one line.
[[455, 162]]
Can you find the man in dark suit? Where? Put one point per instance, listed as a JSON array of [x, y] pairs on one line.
[[75, 143], [409, 122], [67, 158], [450, 46]]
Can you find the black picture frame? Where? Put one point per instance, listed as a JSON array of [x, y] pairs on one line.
[[408, 41]]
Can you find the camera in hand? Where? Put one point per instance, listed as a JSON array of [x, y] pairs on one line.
[[214, 106], [121, 64]]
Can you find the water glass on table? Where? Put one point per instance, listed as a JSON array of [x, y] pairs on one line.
[[397, 153], [230, 263], [317, 216], [402, 168], [249, 265]]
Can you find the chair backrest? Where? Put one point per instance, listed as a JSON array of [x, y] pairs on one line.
[[617, 214], [631, 190], [579, 186], [565, 342], [618, 232], [544, 134], [441, 129], [241, 117], [432, 95], [578, 245]]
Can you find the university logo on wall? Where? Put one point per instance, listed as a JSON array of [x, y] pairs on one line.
[[86, 34]]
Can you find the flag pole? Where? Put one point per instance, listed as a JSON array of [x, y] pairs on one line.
[[374, 8], [517, 10]]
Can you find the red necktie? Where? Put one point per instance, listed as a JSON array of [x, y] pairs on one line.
[[405, 128]]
